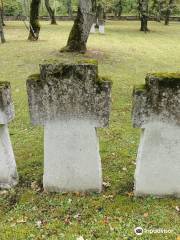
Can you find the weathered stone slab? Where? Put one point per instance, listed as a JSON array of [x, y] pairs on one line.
[[93, 29], [8, 172], [6, 105], [64, 91], [158, 98], [71, 101], [156, 109], [102, 29], [72, 161]]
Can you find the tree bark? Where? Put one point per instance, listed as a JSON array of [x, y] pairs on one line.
[[143, 8], [34, 20], [69, 8], [2, 12], [100, 14], [118, 9], [82, 25], [168, 12], [1, 28], [159, 11], [51, 12]]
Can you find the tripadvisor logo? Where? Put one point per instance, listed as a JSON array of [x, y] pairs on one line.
[[138, 231]]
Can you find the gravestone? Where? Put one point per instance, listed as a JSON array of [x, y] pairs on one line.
[[93, 29], [101, 26], [156, 110], [101, 16], [8, 172], [70, 101]]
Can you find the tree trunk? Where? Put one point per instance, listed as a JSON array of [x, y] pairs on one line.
[[69, 8], [1, 29], [82, 25], [34, 20], [51, 12], [159, 10], [169, 11], [100, 14], [2, 12], [119, 9], [143, 8]]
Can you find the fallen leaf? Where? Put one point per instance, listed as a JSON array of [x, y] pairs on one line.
[[106, 220], [177, 208], [39, 223], [22, 220], [108, 196], [67, 220], [111, 228], [80, 238], [130, 194], [106, 184], [69, 200], [146, 215]]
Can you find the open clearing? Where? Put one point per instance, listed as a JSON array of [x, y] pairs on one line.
[[125, 55]]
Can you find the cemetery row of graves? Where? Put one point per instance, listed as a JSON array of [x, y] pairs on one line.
[[95, 141], [71, 101]]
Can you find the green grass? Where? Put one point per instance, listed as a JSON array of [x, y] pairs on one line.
[[125, 55]]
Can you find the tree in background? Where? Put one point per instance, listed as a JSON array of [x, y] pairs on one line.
[[51, 12], [69, 8], [82, 25], [1, 27], [100, 14], [143, 12], [118, 8], [2, 12], [34, 20], [157, 8], [169, 10]]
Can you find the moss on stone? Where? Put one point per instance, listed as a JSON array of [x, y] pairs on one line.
[[167, 79], [4, 85], [88, 61], [167, 75], [35, 77], [102, 79], [139, 89]]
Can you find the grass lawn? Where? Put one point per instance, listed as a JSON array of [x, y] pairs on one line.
[[125, 55]]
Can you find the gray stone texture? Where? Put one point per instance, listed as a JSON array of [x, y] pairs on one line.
[[8, 172], [156, 109], [65, 91], [6, 104], [159, 97], [71, 101]]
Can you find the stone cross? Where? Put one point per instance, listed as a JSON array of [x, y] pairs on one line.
[[70, 101], [8, 172], [156, 109]]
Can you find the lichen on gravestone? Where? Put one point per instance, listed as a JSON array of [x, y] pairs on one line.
[[159, 96], [68, 89], [70, 100], [6, 105], [156, 109]]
